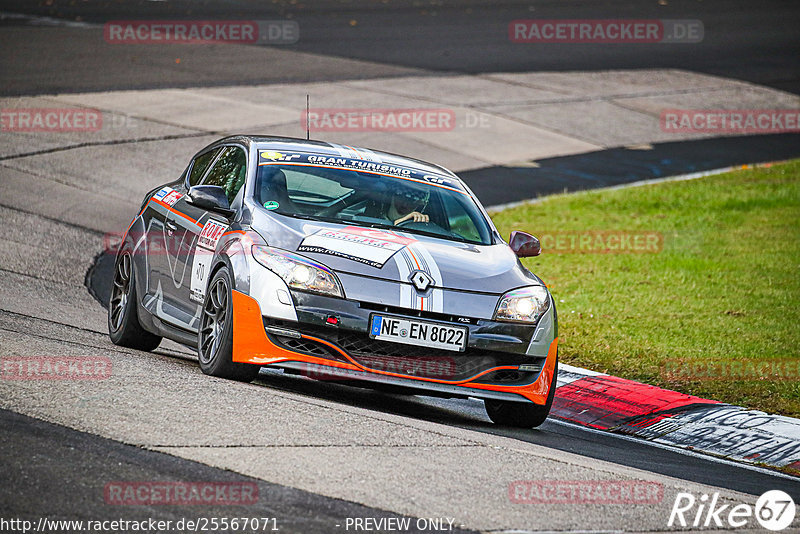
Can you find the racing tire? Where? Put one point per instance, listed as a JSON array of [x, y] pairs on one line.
[[215, 337], [124, 327], [521, 414]]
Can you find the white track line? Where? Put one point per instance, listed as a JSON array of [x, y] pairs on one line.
[[35, 20], [686, 452], [677, 178]]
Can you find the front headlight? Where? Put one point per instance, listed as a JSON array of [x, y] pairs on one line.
[[523, 305], [298, 272]]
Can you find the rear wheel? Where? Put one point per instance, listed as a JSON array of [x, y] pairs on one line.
[[124, 328], [215, 339], [521, 414]]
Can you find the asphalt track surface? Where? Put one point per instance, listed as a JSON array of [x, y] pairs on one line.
[[40, 460], [752, 41], [757, 42]]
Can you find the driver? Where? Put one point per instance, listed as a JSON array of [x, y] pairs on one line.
[[407, 205]]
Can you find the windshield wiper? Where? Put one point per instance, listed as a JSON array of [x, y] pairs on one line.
[[382, 226], [449, 236], [317, 218]]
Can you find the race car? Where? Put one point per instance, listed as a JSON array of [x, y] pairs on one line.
[[338, 263]]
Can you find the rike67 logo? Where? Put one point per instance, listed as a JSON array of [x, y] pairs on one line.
[[774, 510]]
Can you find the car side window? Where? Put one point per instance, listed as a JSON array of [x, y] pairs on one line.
[[229, 172], [200, 165], [460, 221]]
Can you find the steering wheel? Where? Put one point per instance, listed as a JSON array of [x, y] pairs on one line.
[[340, 204], [411, 223]]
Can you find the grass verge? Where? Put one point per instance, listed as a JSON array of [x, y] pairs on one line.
[[718, 298]]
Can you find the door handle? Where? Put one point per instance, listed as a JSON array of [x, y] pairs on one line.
[[171, 227]]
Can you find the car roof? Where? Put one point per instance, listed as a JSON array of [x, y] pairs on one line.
[[292, 144]]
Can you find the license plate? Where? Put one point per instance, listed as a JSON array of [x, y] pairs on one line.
[[413, 332]]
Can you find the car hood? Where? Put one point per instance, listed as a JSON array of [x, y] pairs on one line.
[[396, 256]]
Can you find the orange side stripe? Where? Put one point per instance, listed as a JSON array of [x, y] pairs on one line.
[[176, 212]]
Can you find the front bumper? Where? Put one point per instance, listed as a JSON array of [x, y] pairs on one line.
[[503, 361]]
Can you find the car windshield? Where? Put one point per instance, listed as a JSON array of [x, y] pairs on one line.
[[330, 189]]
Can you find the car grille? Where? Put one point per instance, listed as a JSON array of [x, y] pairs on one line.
[[305, 346], [411, 360], [508, 377]]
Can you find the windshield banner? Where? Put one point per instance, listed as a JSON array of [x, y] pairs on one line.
[[268, 157]]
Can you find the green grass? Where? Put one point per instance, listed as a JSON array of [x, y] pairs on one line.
[[725, 287]]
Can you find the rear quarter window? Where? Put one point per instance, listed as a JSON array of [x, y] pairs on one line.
[[199, 166]]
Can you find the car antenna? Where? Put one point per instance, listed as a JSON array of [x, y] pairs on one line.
[[308, 123]]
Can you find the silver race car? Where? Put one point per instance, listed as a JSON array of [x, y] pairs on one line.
[[339, 263]]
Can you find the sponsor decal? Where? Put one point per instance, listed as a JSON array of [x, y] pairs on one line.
[[361, 165], [172, 197], [371, 247], [277, 156], [168, 196], [203, 254], [210, 234]]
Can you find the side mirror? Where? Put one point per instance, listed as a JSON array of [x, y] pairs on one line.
[[210, 197], [524, 245]]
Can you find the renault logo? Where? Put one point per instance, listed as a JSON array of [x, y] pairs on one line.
[[421, 280]]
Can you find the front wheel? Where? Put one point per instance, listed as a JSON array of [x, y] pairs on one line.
[[215, 339], [521, 414], [124, 328]]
